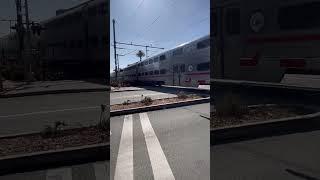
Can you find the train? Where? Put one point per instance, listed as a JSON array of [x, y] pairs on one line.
[[186, 65], [74, 43], [264, 40]]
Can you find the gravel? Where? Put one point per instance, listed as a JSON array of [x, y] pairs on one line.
[[256, 114], [66, 139]]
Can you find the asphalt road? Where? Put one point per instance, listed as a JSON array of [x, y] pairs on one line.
[[32, 113], [164, 144], [288, 157], [90, 171]]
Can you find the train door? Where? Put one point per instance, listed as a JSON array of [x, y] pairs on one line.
[[227, 38], [178, 70]]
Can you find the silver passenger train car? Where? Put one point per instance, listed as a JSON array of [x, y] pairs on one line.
[[74, 42], [186, 65]]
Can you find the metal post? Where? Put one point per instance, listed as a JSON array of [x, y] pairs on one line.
[[146, 52], [19, 29], [28, 40], [115, 48]]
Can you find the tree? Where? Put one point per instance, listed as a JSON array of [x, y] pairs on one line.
[[140, 54]]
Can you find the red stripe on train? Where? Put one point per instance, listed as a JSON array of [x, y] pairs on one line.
[[282, 39], [206, 73]]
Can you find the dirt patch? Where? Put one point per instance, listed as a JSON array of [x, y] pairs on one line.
[[65, 139], [256, 114], [129, 105]]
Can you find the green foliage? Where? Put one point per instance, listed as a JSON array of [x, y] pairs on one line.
[[147, 101], [127, 102], [104, 119], [182, 95], [53, 131]]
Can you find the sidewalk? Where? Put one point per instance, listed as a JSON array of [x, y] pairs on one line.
[[14, 89]]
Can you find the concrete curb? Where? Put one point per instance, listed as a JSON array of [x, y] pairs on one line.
[[309, 122], [62, 91], [188, 89], [128, 90], [54, 158], [158, 107]]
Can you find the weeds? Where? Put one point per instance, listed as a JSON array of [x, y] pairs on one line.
[[147, 101], [53, 131], [182, 95], [127, 102], [104, 119]]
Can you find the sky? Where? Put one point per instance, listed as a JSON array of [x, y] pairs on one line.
[[160, 23], [38, 9]]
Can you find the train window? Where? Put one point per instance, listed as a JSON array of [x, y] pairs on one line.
[[162, 57], [182, 68], [139, 74], [146, 73], [156, 59], [177, 52], [156, 72], [233, 21], [150, 61], [163, 71], [176, 68], [203, 44], [300, 16], [151, 72], [203, 66], [214, 22]]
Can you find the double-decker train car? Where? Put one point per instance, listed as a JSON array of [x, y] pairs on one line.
[[74, 42], [185, 65], [264, 40]]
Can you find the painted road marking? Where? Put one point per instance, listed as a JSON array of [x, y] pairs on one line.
[[59, 174], [124, 164], [160, 166], [100, 171], [47, 112]]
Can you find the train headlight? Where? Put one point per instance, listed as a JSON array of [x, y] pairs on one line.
[[257, 21], [190, 68]]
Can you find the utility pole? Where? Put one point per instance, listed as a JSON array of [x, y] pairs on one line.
[[28, 41], [115, 49], [19, 29]]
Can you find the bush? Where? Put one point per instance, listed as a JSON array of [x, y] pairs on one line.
[[182, 95], [104, 119], [53, 131], [147, 101], [231, 105], [127, 102]]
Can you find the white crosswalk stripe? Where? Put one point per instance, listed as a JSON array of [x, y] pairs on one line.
[[160, 166], [59, 174], [124, 164]]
